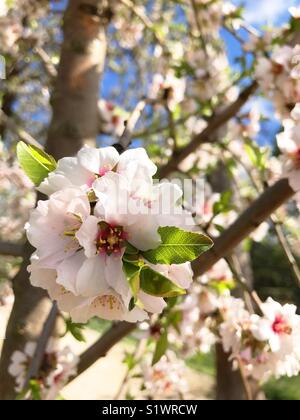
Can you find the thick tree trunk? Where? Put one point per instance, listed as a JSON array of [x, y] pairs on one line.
[[74, 122]]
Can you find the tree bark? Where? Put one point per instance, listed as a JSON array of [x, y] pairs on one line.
[[74, 123]]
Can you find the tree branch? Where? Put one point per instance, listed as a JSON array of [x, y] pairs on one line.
[[206, 135], [37, 359], [104, 344], [11, 249], [269, 201]]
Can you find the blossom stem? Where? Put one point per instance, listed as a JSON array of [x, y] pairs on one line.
[[206, 136], [132, 121], [287, 249], [245, 382], [39, 353], [136, 354]]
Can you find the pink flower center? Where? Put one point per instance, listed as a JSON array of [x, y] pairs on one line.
[[109, 106], [277, 68], [110, 239], [296, 157], [280, 326], [92, 178], [115, 119]]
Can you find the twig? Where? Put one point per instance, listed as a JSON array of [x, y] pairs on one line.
[[172, 128], [49, 66], [39, 353], [206, 135], [261, 209], [236, 270], [287, 249], [22, 134], [198, 24], [139, 349], [245, 381], [126, 137]]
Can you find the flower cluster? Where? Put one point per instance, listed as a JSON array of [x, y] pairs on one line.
[[289, 144], [165, 378], [57, 367], [167, 89], [278, 77], [103, 212], [267, 344], [200, 310], [111, 120], [16, 198]]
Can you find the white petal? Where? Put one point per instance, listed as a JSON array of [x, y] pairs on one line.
[[54, 182], [87, 234], [181, 274], [116, 279], [89, 159], [90, 280], [152, 304], [40, 277], [109, 157], [144, 233], [135, 157], [68, 270]]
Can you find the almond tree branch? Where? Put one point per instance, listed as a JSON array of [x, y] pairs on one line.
[[126, 137], [11, 249], [39, 353], [111, 337], [46, 59], [261, 209], [206, 136]]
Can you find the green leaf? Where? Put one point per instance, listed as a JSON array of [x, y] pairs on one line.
[[75, 329], [35, 390], [224, 204], [178, 246], [35, 162], [155, 284], [132, 273], [129, 360], [161, 348], [130, 249]]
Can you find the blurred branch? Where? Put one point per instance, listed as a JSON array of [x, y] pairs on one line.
[[22, 134], [205, 136], [144, 19], [126, 138], [37, 358], [111, 337], [46, 59], [261, 209], [11, 249], [287, 249]]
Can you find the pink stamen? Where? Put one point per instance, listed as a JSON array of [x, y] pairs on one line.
[[280, 326]]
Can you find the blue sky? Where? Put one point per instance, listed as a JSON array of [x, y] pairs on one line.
[[261, 12]]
